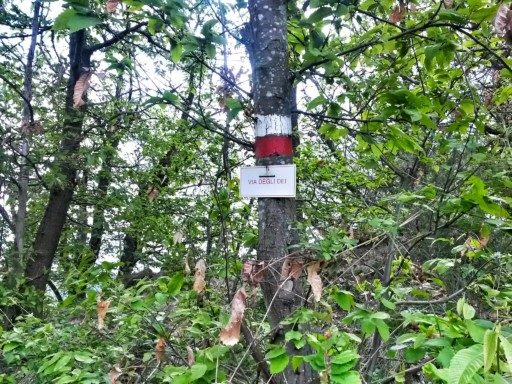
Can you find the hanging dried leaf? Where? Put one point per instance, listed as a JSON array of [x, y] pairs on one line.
[[178, 237], [292, 267], [253, 272], [112, 5], [114, 374], [152, 193], [102, 307], [199, 282], [503, 22], [314, 280], [448, 4], [190, 356], [160, 349], [231, 334], [81, 86], [398, 14], [186, 267]]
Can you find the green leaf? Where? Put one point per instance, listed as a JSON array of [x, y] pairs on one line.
[[278, 363], [84, 357], [490, 348], [320, 14], [344, 299], [465, 364], [176, 53], [345, 357], [351, 377], [63, 361], [468, 312], [198, 371], [382, 328], [74, 21], [507, 348], [175, 284]]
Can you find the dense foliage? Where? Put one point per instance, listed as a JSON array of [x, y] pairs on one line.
[[404, 195]]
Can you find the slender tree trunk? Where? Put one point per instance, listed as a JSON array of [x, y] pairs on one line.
[[49, 231], [268, 51], [27, 125]]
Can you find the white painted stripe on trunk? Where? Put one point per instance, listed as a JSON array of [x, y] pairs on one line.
[[273, 125]]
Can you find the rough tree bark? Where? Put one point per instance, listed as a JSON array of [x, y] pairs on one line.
[[27, 126], [50, 228], [268, 51]]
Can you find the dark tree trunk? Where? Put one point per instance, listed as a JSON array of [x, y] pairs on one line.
[[49, 231], [268, 50]]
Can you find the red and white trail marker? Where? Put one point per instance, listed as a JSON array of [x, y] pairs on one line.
[[268, 181]]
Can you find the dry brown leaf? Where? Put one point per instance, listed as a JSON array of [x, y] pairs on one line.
[[152, 193], [190, 356], [296, 268], [160, 349], [503, 22], [199, 281], [81, 86], [484, 240], [448, 4], [114, 374], [253, 272], [112, 5], [398, 14], [314, 280], [102, 307], [231, 334], [292, 267], [186, 267]]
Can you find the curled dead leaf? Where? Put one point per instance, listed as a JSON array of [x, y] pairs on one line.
[[292, 267], [448, 4], [152, 193], [190, 356], [112, 5], [102, 308], [186, 267], [114, 373], [503, 22], [314, 280], [199, 280], [160, 349], [253, 272], [230, 335], [398, 14], [81, 86]]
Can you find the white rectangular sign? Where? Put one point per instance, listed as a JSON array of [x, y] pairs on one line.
[[269, 181]]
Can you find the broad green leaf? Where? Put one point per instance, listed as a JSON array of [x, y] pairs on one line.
[[490, 348], [175, 284], [382, 328], [278, 363], [351, 377], [74, 21], [345, 357], [465, 364], [198, 371], [176, 53], [468, 312], [507, 348]]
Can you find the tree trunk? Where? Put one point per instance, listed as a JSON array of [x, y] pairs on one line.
[[49, 231], [268, 52], [27, 125]]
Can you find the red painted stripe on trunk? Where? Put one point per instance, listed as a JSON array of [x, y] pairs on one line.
[[272, 145]]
